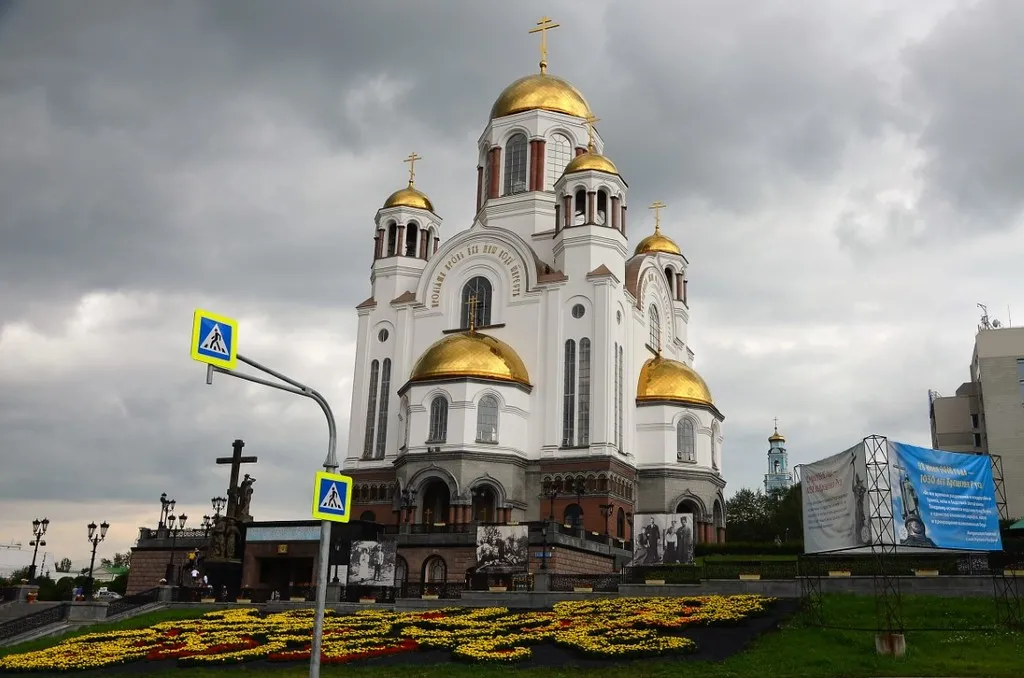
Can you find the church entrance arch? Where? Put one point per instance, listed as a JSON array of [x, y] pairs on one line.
[[435, 570], [485, 503], [690, 506], [436, 501]]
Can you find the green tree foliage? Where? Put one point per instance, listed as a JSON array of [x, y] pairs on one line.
[[119, 560], [63, 565], [764, 517]]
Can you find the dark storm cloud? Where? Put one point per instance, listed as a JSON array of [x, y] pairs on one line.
[[973, 106]]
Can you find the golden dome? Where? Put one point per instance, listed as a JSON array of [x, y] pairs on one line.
[[591, 161], [776, 437], [540, 91], [470, 354], [664, 379], [657, 242], [409, 197]]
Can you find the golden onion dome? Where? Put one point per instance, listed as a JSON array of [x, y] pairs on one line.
[[541, 91], [776, 437], [591, 160], [662, 379], [470, 354], [409, 196], [657, 242]]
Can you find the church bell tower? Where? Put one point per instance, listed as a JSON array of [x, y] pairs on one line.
[[779, 477]]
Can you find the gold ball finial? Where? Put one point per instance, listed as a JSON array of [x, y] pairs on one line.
[[543, 26], [657, 206]]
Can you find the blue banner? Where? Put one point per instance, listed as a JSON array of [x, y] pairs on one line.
[[943, 499]]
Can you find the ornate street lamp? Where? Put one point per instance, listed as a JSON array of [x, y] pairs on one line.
[[218, 504], [38, 530], [166, 509], [606, 511], [551, 493], [175, 525], [95, 538]]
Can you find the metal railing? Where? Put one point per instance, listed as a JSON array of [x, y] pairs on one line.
[[136, 600], [31, 622]]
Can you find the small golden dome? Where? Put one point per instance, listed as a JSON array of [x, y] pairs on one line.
[[657, 242], [540, 91], [409, 197], [776, 437], [470, 354], [664, 379], [591, 160]]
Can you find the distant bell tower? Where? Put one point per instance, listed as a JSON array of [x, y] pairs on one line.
[[779, 476]]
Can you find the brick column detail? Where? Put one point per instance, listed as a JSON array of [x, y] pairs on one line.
[[685, 282], [451, 514], [494, 157], [591, 207], [623, 220], [424, 242], [679, 286], [615, 213], [568, 211], [376, 246], [400, 245]]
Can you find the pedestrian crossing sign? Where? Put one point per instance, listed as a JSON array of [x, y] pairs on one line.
[[214, 339], [332, 497]]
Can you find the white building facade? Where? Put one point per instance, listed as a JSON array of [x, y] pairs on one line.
[[534, 364]]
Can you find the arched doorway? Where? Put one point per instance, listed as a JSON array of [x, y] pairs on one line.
[[719, 518], [401, 571], [485, 502], [435, 570], [436, 500], [573, 515], [690, 506]]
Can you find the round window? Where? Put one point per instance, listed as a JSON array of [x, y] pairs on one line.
[[382, 336], [578, 310]]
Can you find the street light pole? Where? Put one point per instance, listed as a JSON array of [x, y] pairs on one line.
[[166, 509], [38, 530], [551, 493], [330, 465], [606, 511], [169, 574], [95, 539]]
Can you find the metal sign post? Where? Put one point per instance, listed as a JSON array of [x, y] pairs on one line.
[[215, 342]]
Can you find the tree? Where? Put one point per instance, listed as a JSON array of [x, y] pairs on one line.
[[64, 565], [759, 517], [119, 560]]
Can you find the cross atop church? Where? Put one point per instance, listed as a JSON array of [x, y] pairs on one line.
[[471, 304], [412, 165], [591, 121], [776, 424], [543, 26], [657, 206], [236, 460]]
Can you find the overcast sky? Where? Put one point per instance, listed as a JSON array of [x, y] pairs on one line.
[[844, 177]]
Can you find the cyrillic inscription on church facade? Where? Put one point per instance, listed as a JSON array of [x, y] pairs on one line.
[[508, 258]]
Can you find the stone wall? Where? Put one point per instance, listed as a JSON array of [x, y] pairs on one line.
[[458, 559], [570, 561], [149, 567]]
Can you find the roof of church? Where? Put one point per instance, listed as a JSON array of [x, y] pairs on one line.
[[470, 354], [662, 379], [540, 91], [657, 242], [410, 196], [591, 161]]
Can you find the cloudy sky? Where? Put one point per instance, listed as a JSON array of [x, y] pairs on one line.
[[844, 177]]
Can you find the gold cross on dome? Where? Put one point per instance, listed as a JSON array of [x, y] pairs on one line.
[[657, 206], [412, 165], [591, 121], [471, 302], [776, 423], [543, 26]]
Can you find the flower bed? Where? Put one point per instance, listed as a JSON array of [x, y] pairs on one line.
[[608, 629]]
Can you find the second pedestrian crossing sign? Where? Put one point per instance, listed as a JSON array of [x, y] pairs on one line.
[[332, 497]]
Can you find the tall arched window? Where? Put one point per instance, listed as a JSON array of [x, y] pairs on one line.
[[559, 154], [716, 448], [392, 239], [487, 420], [569, 394], [438, 420], [584, 392], [476, 295], [385, 396], [412, 240], [685, 441], [654, 327], [406, 417], [601, 218], [573, 515], [579, 209], [371, 410], [487, 176], [515, 165], [622, 398], [618, 394], [620, 524]]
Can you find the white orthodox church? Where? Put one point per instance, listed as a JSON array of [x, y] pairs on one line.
[[534, 364]]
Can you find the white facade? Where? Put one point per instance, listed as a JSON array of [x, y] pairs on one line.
[[575, 303]]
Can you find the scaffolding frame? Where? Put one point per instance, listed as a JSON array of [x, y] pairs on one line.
[[886, 580], [997, 480]]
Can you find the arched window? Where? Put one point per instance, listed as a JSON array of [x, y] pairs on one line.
[[716, 450], [476, 295], [579, 208], [438, 420], [654, 327], [487, 420], [406, 416], [412, 240], [559, 154], [778, 466], [601, 218], [385, 396], [685, 441], [371, 410], [392, 239], [569, 394], [573, 515], [620, 386], [435, 570], [368, 516], [620, 524], [515, 165], [584, 392], [669, 276], [487, 176]]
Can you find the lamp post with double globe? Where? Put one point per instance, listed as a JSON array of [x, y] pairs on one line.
[[95, 538], [38, 530]]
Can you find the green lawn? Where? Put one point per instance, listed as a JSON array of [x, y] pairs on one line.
[[797, 650]]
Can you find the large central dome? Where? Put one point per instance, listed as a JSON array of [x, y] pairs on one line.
[[541, 91], [662, 380], [470, 354]]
